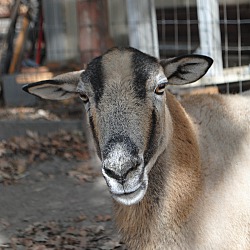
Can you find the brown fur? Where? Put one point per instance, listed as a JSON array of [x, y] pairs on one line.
[[169, 201], [198, 151]]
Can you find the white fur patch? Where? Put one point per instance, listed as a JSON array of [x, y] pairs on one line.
[[133, 189]]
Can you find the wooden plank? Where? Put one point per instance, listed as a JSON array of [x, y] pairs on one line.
[[7, 44], [143, 26], [19, 44], [209, 31], [34, 77]]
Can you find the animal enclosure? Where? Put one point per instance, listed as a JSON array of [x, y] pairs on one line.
[[215, 28], [72, 32], [181, 31]]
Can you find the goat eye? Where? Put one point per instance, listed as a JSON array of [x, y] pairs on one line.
[[84, 97], [159, 90]]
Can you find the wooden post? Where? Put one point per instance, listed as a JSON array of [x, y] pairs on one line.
[[142, 26], [7, 44], [209, 31], [93, 27], [19, 44]]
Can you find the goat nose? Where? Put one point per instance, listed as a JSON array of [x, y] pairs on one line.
[[120, 173]]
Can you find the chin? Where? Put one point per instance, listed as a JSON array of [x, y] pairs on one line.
[[132, 198]]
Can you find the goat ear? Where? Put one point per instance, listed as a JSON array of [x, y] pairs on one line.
[[58, 88], [186, 69]]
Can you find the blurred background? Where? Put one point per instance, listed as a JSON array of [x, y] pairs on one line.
[[53, 192], [42, 38]]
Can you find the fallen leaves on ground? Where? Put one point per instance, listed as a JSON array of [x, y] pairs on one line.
[[45, 110], [102, 218], [18, 153], [22, 113], [54, 235], [83, 173]]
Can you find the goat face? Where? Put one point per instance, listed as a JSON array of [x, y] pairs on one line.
[[126, 114], [123, 92]]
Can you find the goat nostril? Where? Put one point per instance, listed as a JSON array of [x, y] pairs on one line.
[[111, 173], [121, 174]]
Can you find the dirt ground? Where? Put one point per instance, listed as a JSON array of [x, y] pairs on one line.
[[51, 198], [47, 195]]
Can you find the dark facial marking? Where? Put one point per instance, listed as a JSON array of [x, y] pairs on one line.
[[94, 75], [92, 126], [149, 152], [142, 64]]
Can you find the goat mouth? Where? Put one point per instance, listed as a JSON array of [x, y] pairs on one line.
[[131, 198]]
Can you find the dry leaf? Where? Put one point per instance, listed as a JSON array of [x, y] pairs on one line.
[[20, 165], [20, 152], [102, 218], [58, 236], [80, 218]]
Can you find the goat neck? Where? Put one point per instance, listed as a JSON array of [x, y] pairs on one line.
[[173, 191]]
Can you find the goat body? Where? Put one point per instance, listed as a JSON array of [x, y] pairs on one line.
[[179, 172], [199, 194]]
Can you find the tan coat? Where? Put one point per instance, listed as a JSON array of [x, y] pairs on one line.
[[179, 172]]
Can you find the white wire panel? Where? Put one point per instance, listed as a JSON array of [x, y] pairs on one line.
[[219, 29]]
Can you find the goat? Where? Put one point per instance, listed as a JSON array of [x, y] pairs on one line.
[[179, 172]]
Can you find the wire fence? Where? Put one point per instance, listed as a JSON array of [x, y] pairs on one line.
[[179, 33], [66, 31]]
